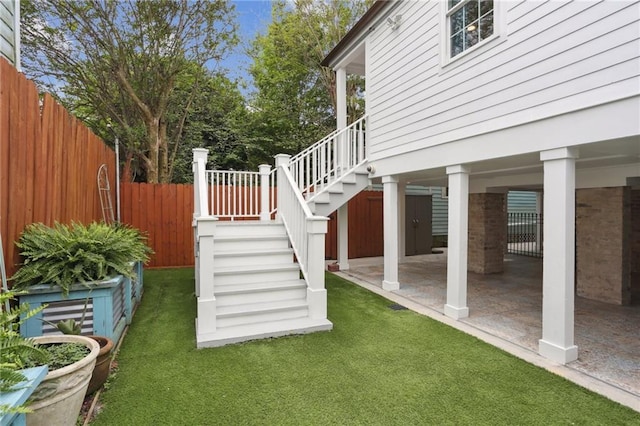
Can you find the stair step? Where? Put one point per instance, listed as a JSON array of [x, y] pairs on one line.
[[227, 295], [230, 275], [250, 227], [242, 242], [243, 333], [251, 313], [335, 188], [252, 257]]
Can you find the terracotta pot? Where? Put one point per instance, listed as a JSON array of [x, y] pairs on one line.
[[58, 398], [103, 364]]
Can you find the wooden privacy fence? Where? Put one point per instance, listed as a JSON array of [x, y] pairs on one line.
[[48, 162], [164, 212], [48, 173]]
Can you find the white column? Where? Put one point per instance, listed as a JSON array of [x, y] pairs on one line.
[[390, 213], [341, 98], [456, 306], [559, 255], [343, 212], [341, 115], [343, 237], [264, 170]]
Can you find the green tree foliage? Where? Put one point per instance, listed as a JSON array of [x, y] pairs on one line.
[[137, 65], [216, 121], [294, 105]]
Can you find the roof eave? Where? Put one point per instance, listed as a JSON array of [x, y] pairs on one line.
[[363, 24]]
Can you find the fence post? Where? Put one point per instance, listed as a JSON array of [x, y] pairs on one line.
[[281, 160], [264, 170], [199, 182], [316, 228]]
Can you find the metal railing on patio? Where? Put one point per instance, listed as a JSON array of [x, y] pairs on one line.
[[524, 234]]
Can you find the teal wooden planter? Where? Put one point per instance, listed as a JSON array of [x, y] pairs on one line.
[[109, 308], [18, 397]]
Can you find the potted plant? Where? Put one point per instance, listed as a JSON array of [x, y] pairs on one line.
[[102, 368], [15, 350], [58, 398], [65, 263]]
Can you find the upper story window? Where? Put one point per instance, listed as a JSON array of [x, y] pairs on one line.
[[469, 22]]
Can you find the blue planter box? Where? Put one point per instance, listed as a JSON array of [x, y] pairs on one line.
[[109, 307], [18, 397]]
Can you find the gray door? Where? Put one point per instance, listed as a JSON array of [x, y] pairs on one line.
[[418, 225]]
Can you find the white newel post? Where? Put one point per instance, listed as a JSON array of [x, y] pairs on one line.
[[199, 158], [558, 262], [198, 166], [264, 170], [456, 306], [316, 293], [206, 305], [281, 160], [390, 219]]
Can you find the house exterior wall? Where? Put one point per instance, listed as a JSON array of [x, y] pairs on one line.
[[551, 58], [603, 244], [8, 42]]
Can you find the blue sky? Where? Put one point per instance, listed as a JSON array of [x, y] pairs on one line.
[[253, 17]]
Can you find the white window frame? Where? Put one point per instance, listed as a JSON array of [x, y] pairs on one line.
[[445, 32]]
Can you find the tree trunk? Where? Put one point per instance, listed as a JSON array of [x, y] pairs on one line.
[[163, 157], [153, 143]]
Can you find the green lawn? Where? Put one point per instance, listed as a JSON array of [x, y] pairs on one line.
[[377, 366]]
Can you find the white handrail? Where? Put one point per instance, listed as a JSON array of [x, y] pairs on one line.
[[333, 156], [306, 231]]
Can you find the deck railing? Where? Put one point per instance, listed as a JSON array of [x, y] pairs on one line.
[[241, 194], [306, 234], [333, 156]]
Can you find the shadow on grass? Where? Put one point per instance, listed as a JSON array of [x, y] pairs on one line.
[[378, 366]]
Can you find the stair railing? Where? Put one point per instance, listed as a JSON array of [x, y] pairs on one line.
[[241, 194], [330, 158], [306, 234]]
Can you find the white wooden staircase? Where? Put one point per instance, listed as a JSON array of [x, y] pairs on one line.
[[339, 192], [265, 277]]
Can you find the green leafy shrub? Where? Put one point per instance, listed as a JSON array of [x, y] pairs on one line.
[[64, 255], [15, 350]]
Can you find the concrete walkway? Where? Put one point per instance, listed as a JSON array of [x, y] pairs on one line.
[[506, 311]]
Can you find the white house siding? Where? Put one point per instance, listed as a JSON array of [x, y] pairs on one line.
[[7, 30], [551, 58], [521, 202]]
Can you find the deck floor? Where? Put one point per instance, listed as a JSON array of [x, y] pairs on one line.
[[509, 306]]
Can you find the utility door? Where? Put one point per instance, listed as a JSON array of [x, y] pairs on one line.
[[418, 236]]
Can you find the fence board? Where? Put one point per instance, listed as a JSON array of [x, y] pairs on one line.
[[48, 163], [163, 212]]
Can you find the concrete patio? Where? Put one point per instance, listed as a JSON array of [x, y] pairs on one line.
[[506, 311]]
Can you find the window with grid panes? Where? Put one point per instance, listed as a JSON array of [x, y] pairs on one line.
[[469, 22]]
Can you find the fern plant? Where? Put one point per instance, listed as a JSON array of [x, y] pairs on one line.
[[16, 351], [64, 255]]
